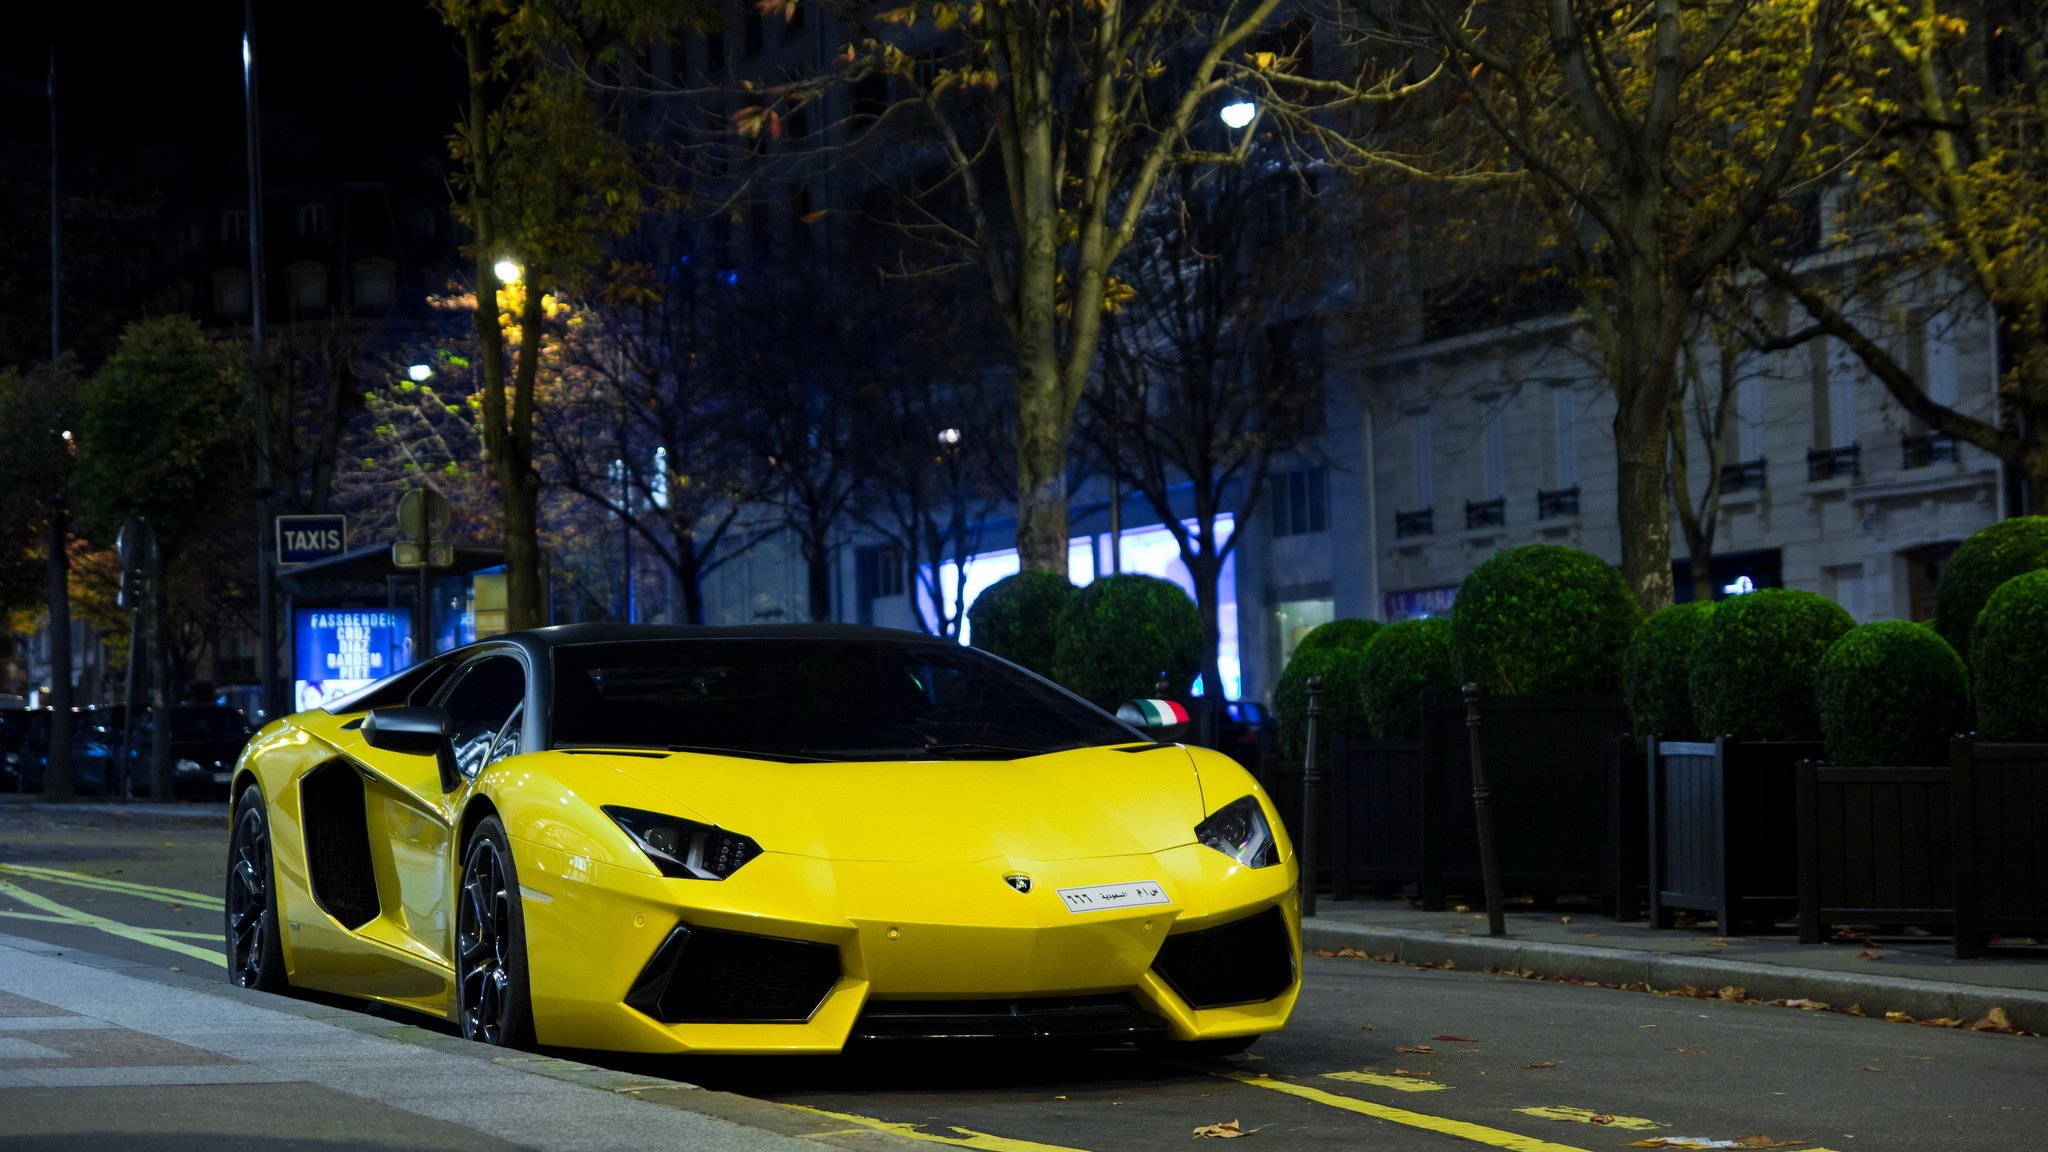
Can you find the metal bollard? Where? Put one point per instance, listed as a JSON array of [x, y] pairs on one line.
[[1482, 807], [1311, 783]]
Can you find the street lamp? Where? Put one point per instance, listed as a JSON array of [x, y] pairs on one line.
[[949, 436], [1238, 113], [507, 270], [419, 373]]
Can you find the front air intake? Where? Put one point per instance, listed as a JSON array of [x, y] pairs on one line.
[[705, 976], [1243, 962]]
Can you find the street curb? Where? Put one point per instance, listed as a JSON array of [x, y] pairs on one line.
[[1920, 999], [183, 811]]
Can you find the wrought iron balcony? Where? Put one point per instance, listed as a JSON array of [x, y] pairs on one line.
[[1421, 522], [1828, 463], [1927, 448], [1486, 513], [1552, 503], [1744, 476]]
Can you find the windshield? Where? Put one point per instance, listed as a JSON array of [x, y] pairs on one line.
[[805, 699]]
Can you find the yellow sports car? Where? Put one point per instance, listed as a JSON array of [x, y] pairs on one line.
[[758, 840]]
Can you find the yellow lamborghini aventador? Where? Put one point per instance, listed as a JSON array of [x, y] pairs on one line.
[[758, 840]]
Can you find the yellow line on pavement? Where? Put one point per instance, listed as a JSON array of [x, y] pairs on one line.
[[1588, 1116], [108, 884], [1382, 1080], [43, 919], [1479, 1133], [111, 927], [965, 1138]]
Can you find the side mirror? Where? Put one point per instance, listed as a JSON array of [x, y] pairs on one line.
[[1162, 720], [418, 731]]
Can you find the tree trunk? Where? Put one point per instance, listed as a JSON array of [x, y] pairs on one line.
[[818, 569], [1042, 427], [57, 781], [159, 687], [1640, 430], [525, 596], [1207, 572]]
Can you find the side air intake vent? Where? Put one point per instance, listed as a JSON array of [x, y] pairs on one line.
[[1242, 962], [338, 843], [705, 976]]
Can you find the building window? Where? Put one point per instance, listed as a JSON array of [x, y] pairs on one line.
[[376, 283], [1301, 502], [1422, 453], [231, 292], [879, 571], [1494, 449], [308, 286], [312, 220], [1749, 419], [423, 222], [1845, 586], [1565, 419], [1295, 619], [234, 225], [1938, 360]]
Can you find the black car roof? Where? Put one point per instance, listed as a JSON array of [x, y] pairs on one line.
[[541, 641]]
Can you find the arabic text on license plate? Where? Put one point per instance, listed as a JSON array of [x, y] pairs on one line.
[[220, 777], [1102, 897]]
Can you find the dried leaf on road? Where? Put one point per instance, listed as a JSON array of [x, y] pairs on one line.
[[1872, 1068], [1540, 1065], [1994, 1021], [1414, 1049], [1757, 1141], [1410, 1075], [1228, 1130], [1898, 1017], [1803, 1004], [1455, 1039], [1438, 964], [1870, 954], [1732, 992], [1693, 1050], [1461, 908], [1941, 1022]]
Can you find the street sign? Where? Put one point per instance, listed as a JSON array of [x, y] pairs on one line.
[[423, 516], [136, 545], [407, 554], [304, 539]]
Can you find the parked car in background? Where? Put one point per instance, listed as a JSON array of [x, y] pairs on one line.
[[92, 745], [206, 739]]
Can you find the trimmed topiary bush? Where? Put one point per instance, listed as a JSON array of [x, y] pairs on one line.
[[1017, 618], [1890, 694], [1542, 620], [1118, 636], [2009, 661], [1983, 563], [1336, 652], [1656, 677], [1402, 661], [1753, 664]]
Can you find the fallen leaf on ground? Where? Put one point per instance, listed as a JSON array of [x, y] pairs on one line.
[[1365, 1027], [1437, 964], [1691, 1051], [1540, 1065], [1757, 1141], [1802, 1003], [1898, 1017], [1870, 954], [1228, 1130], [1994, 1021], [1853, 1010], [1455, 1039], [1731, 992], [1461, 908], [1414, 1049], [1717, 943], [1564, 919], [1322, 952], [1941, 1022], [1872, 1068], [1410, 1075]]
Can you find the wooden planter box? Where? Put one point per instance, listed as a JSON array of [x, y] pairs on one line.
[[1873, 847], [1625, 830], [1998, 807], [1376, 816], [1724, 833], [1545, 763]]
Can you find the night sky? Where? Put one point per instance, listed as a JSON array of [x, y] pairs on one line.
[[364, 89]]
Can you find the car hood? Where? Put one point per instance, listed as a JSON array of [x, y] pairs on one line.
[[1071, 805]]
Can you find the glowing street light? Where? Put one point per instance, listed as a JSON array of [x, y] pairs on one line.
[[419, 373], [1238, 113], [507, 270], [949, 437]]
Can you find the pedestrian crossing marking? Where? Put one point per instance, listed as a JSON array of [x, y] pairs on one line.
[[1382, 1080], [1588, 1116]]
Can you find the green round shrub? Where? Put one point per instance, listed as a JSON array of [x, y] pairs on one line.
[[1890, 694], [1655, 677], [1753, 664], [1343, 673], [1339, 634], [1118, 636], [1991, 556], [1017, 617], [1542, 620], [2009, 661], [1402, 661]]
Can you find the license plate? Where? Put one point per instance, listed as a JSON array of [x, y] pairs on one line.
[[1103, 897], [220, 777]]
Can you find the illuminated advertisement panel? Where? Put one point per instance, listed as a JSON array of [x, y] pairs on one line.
[[338, 650]]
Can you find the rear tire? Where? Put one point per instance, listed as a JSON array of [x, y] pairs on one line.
[[255, 946], [493, 1003]]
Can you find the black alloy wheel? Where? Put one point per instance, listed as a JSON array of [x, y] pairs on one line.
[[493, 1005], [255, 948]]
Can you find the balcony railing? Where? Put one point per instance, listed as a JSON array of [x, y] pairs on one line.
[[1828, 463], [1744, 476], [1927, 448], [1421, 522], [1552, 503], [1486, 513]]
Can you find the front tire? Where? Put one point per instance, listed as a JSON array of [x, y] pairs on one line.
[[493, 1003], [254, 945]]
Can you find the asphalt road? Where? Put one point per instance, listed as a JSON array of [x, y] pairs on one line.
[[1379, 1056]]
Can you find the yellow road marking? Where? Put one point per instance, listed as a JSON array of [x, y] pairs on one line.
[[966, 1138], [1479, 1133], [119, 887], [1381, 1080], [147, 936], [1588, 1116]]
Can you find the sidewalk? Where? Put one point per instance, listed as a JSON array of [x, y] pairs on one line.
[[1919, 976], [96, 1053]]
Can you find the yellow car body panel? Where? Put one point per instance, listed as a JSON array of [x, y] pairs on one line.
[[900, 866]]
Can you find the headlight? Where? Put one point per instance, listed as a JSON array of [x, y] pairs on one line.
[[1239, 831], [684, 848], [187, 766]]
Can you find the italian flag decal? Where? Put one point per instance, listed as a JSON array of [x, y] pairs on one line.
[[1159, 713]]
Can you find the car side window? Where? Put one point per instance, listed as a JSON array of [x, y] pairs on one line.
[[479, 706]]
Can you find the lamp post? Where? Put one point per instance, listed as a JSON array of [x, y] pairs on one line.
[[259, 388]]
